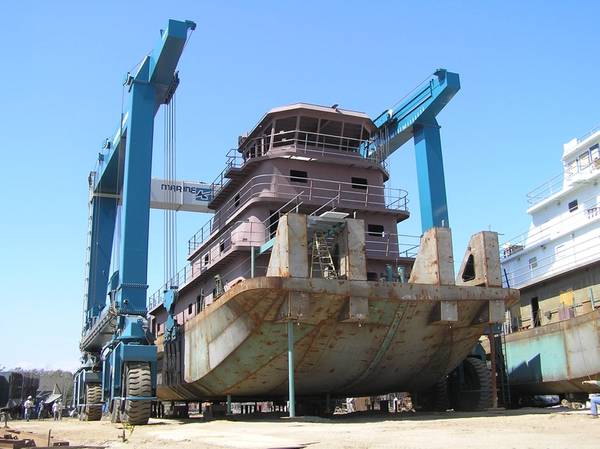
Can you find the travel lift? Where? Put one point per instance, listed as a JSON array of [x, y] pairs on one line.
[[118, 352]]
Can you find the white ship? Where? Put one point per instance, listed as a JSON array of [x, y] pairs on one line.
[[553, 334]]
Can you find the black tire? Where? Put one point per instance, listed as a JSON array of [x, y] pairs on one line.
[[93, 403], [115, 415], [476, 393], [138, 382], [441, 402]]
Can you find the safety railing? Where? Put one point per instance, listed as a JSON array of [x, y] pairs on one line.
[[245, 234], [588, 134], [234, 160], [392, 245], [313, 190], [558, 260], [559, 182], [552, 229], [304, 144]]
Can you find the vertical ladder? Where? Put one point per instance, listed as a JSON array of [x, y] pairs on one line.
[[322, 256]]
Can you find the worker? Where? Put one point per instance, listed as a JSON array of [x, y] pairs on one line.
[[40, 413], [56, 410], [28, 405], [594, 397]]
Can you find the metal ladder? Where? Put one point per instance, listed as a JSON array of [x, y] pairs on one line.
[[322, 256]]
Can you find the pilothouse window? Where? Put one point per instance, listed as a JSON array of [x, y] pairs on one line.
[[298, 176], [375, 230]]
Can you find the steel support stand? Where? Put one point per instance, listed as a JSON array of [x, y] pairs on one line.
[[252, 261], [492, 339], [292, 394], [228, 404]]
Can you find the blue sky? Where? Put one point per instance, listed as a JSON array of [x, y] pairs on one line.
[[528, 70]]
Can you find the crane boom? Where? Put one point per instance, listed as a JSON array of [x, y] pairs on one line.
[[415, 117]]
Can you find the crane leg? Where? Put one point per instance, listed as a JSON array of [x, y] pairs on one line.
[[430, 174]]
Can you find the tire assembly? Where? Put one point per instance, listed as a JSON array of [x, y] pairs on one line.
[[137, 382], [92, 411], [474, 392]]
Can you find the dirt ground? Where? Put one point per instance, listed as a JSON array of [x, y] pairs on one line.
[[524, 429]]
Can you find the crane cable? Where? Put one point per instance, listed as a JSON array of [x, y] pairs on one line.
[[170, 219]]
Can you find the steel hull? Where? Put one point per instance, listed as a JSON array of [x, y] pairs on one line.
[[555, 358], [238, 345]]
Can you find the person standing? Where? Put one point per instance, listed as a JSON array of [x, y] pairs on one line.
[[55, 410], [40, 413], [594, 397], [28, 408]]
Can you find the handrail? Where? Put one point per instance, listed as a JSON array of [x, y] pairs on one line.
[[347, 147], [337, 197], [388, 245], [558, 183], [317, 189], [566, 258], [530, 238]]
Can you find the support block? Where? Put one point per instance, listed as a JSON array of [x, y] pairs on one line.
[[289, 257], [481, 263], [295, 307], [444, 312], [355, 310], [353, 263], [434, 263], [491, 312]]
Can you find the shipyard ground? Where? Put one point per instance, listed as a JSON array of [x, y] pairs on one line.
[[525, 428]]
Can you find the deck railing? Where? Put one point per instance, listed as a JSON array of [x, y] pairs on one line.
[[304, 144], [561, 259], [246, 234], [310, 189]]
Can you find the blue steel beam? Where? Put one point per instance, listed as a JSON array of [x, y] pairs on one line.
[[126, 169], [415, 117], [104, 212], [162, 64]]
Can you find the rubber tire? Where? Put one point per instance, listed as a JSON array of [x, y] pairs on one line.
[[93, 395], [138, 382], [477, 377], [115, 416], [441, 401]]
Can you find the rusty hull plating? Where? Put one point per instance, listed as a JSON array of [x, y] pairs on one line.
[[353, 337]]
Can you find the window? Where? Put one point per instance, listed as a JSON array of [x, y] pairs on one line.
[[222, 246], [573, 206], [359, 183], [594, 152], [572, 168], [533, 263], [190, 309], [298, 176], [206, 259], [584, 160], [237, 200], [375, 230], [285, 130]]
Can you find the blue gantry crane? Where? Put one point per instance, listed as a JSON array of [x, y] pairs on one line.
[[415, 117], [118, 354]]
